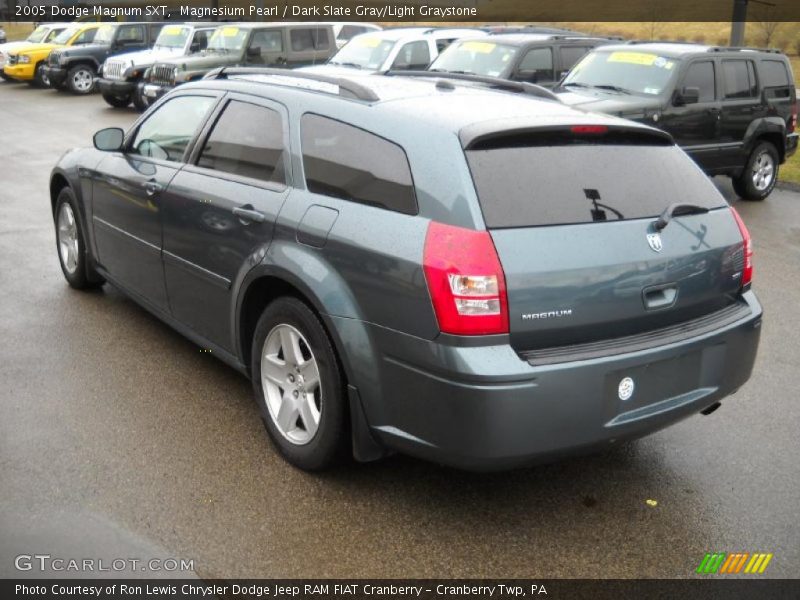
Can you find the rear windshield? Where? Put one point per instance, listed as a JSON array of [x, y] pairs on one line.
[[526, 186]]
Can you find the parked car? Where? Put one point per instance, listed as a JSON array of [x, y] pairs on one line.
[[43, 34], [121, 75], [76, 69], [29, 63], [401, 265], [400, 48], [534, 57], [285, 45], [344, 32], [734, 110]]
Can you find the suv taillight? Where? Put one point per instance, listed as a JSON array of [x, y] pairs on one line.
[[793, 120], [747, 270], [465, 280]]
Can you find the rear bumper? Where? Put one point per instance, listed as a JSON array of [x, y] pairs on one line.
[[23, 72], [485, 408], [116, 87], [56, 75]]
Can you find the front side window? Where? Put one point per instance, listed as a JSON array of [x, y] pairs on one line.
[[702, 76], [37, 35], [52, 34], [267, 40], [247, 140], [537, 65], [365, 51], [572, 54], [105, 34], [309, 39], [739, 79], [131, 34], [168, 131], [342, 161], [199, 41], [413, 56]]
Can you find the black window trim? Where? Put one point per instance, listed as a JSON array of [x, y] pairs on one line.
[[130, 135], [302, 176], [205, 132]]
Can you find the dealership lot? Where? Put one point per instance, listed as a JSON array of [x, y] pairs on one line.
[[120, 437]]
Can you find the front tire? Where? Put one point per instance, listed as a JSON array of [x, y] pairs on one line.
[[71, 245], [760, 173], [80, 80], [298, 385], [39, 80], [140, 101], [117, 101]]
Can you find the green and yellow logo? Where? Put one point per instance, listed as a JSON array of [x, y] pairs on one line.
[[735, 562]]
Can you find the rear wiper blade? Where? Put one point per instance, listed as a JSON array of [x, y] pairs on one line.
[[613, 88], [676, 209]]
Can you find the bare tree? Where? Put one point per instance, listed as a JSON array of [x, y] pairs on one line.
[[656, 14], [765, 25]]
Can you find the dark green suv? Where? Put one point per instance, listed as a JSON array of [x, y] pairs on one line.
[[734, 110]]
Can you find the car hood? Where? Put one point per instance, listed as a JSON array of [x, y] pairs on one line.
[[9, 46], [36, 48], [608, 102], [149, 56]]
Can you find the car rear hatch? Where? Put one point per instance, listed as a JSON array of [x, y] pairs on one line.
[[572, 210]]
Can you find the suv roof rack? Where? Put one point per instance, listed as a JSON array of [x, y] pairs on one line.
[[515, 86], [354, 89], [740, 48]]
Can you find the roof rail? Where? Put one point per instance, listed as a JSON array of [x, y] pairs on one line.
[[505, 84], [354, 89], [685, 42], [739, 48]]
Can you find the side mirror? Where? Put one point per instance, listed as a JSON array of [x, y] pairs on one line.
[[529, 76], [688, 95], [194, 48], [253, 51], [109, 140]]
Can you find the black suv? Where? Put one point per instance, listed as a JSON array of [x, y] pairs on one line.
[[413, 264], [734, 110], [77, 68], [533, 57]]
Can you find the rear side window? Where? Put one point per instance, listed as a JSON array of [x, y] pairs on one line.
[[247, 140], [526, 186], [345, 162], [701, 75], [739, 79], [774, 73], [309, 39]]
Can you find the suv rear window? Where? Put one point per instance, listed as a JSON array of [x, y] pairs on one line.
[[526, 186], [345, 162]]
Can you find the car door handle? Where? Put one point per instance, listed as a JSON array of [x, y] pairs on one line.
[[151, 188], [247, 214]]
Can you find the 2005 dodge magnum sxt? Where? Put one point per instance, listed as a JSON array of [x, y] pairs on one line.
[[421, 264]]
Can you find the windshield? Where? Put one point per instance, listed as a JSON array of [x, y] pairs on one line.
[[38, 35], [66, 35], [105, 35], [173, 36], [364, 51], [475, 57], [634, 72], [227, 39]]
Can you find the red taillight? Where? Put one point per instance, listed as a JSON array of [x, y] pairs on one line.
[[596, 129], [747, 271], [793, 120], [465, 280]]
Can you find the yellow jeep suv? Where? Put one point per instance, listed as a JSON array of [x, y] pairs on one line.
[[25, 64]]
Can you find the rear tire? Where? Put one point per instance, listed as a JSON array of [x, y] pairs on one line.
[[117, 101], [80, 80], [71, 245], [4, 77], [760, 174], [298, 385]]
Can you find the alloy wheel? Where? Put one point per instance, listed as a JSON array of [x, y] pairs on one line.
[[763, 171], [83, 80], [291, 383], [68, 238]]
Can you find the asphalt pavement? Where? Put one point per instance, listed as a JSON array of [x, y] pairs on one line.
[[121, 439]]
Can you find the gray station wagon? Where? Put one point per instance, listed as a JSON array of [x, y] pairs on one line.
[[425, 265]]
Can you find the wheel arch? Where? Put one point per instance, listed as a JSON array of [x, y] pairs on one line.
[[770, 129]]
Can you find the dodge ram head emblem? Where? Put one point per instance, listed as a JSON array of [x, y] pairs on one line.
[[654, 239]]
